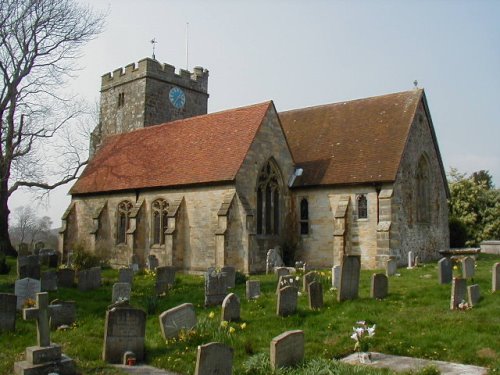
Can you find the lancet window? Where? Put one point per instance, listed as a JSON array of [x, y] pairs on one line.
[[159, 210], [362, 204], [268, 200], [124, 211], [423, 192], [304, 216]]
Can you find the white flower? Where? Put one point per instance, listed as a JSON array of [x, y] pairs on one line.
[[360, 331], [361, 322], [297, 278], [354, 336], [371, 331]]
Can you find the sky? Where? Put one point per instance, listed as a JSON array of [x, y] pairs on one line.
[[306, 53]]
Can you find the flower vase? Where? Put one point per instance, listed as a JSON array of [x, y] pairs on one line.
[[365, 357]]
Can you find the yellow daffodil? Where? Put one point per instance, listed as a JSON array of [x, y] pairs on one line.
[[231, 330], [224, 324], [211, 315], [243, 326]]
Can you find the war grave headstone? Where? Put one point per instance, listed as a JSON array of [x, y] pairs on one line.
[[315, 295], [28, 266], [214, 359], [126, 275], [391, 267], [124, 331], [286, 303], [287, 280], [468, 265], [165, 279], [349, 278], [62, 313], [495, 277], [230, 274], [26, 289], [121, 292], [473, 294], [176, 319], [253, 289], [287, 349], [309, 278], [215, 288], [66, 277], [445, 271], [379, 286], [153, 262], [45, 357], [231, 308], [281, 271], [89, 279], [458, 292], [335, 277], [48, 281], [8, 303], [23, 250], [273, 259], [410, 260]]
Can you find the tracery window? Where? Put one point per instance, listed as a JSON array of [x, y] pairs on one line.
[[362, 204], [268, 200], [159, 209], [304, 216], [124, 211], [423, 192]]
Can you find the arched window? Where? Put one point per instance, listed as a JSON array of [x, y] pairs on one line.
[[268, 200], [124, 210], [423, 192], [362, 206], [159, 209], [304, 216]]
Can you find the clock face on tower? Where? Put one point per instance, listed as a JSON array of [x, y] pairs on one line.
[[177, 97]]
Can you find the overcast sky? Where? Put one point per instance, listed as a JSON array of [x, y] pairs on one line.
[[305, 53]]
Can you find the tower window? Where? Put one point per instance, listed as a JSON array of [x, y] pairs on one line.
[[124, 211], [268, 200], [121, 99], [362, 204], [304, 216], [160, 210]]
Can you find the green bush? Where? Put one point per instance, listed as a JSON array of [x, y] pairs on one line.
[[458, 232], [83, 260], [240, 278], [4, 267]]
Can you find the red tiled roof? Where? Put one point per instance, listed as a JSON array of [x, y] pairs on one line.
[[359, 141], [202, 149]]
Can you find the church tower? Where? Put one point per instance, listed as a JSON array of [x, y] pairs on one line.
[[148, 93]]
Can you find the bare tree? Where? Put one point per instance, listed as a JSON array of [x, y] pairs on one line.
[[28, 227], [39, 43]]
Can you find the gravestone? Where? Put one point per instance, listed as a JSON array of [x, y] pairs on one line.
[[126, 275], [176, 319], [89, 279], [46, 357], [458, 292], [153, 262], [121, 292], [48, 281], [124, 331], [273, 259], [28, 266], [286, 303], [281, 271], [495, 277], [391, 267], [230, 275], [23, 250], [44, 255], [349, 277], [26, 289], [53, 260], [287, 280], [416, 263], [468, 264], [335, 277], [165, 279], [410, 260], [39, 246], [473, 294], [287, 349], [253, 289], [215, 288], [445, 271], [379, 286], [214, 359], [315, 295], [309, 278], [231, 308], [8, 304], [66, 277], [62, 313]]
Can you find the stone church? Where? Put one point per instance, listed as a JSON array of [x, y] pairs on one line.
[[197, 190]]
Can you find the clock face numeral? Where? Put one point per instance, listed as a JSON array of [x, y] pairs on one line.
[[177, 97]]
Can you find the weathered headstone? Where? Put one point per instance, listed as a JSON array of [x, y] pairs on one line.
[[468, 265], [8, 304], [66, 277], [230, 275], [336, 277], [273, 259], [39, 245], [287, 349], [445, 271], [165, 279], [286, 303], [26, 289], [281, 271], [458, 292], [231, 308], [315, 295], [473, 294], [410, 259], [349, 278], [124, 331], [48, 281], [495, 277], [253, 289], [215, 288], [309, 278], [53, 260], [62, 313], [28, 266], [391, 267], [416, 263], [214, 359], [153, 262], [89, 279], [287, 280], [23, 250], [44, 255], [176, 319], [379, 286], [121, 292], [126, 275]]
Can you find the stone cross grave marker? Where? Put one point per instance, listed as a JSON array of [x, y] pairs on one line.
[[165, 279], [8, 304], [281, 271], [176, 319], [215, 288], [28, 266], [230, 275], [287, 349], [315, 295], [66, 277], [468, 264], [349, 278], [445, 271], [48, 281], [391, 267], [124, 331], [458, 292], [126, 275], [231, 308], [121, 292], [26, 289], [410, 260], [336, 277], [473, 294], [62, 313], [309, 278], [287, 280], [253, 289], [286, 303], [40, 313], [214, 359], [379, 286], [495, 277]]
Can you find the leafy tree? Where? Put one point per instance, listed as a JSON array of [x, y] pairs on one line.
[[39, 43], [475, 205]]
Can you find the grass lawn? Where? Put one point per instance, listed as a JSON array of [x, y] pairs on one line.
[[414, 320]]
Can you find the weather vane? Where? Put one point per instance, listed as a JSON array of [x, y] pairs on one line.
[[153, 42]]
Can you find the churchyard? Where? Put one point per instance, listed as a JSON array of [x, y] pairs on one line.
[[413, 316]]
